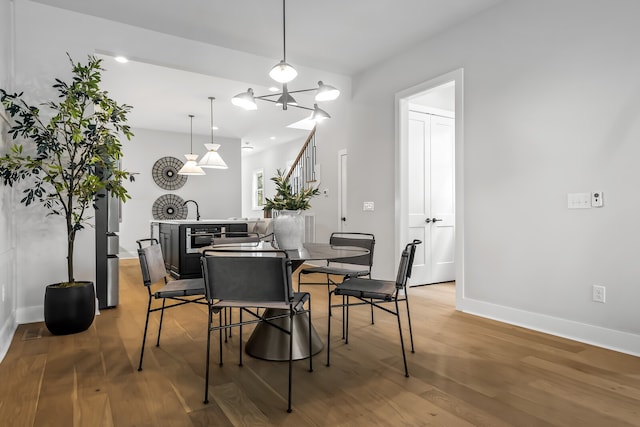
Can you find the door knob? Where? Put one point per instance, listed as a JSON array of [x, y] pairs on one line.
[[343, 219], [435, 220], [428, 220]]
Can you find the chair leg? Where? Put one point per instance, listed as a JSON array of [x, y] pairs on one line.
[[160, 326], [404, 357], [206, 381], [240, 345], [372, 322], [406, 299], [291, 313], [328, 331], [220, 333], [346, 323], [144, 337], [310, 349]]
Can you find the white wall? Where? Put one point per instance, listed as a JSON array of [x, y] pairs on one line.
[[551, 106], [218, 193], [41, 57], [7, 246]]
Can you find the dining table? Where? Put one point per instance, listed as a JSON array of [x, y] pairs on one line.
[[268, 342]]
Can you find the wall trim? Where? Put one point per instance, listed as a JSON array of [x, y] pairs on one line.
[[6, 335], [611, 339]]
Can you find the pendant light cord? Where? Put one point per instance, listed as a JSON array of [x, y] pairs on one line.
[[191, 143], [211, 98]]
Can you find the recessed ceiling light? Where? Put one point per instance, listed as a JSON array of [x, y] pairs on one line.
[[273, 89], [247, 147], [272, 138], [121, 59], [214, 127]]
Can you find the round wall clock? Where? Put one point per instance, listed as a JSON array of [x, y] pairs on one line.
[[169, 206], [165, 173]]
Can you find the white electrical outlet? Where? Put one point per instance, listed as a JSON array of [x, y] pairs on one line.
[[368, 206], [596, 199], [599, 293]]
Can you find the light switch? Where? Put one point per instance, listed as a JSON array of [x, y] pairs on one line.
[[579, 200], [368, 206]]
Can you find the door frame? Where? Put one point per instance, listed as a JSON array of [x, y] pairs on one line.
[[341, 188], [402, 101]]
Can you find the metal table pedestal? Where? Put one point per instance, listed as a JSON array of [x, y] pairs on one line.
[[269, 343]]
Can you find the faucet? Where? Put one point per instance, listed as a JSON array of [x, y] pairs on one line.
[[197, 208]]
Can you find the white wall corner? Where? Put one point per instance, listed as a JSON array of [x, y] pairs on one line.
[[611, 339], [6, 335]]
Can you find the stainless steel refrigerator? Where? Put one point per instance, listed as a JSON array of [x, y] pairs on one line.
[[107, 225]]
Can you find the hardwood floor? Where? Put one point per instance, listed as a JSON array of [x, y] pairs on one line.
[[466, 371]]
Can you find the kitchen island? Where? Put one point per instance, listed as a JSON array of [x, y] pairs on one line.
[[181, 239]]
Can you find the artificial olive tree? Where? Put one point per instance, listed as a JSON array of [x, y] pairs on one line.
[[68, 152]]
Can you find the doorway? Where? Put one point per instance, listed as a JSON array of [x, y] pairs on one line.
[[429, 180]]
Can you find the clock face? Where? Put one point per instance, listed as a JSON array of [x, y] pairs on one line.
[[169, 206], [165, 173]]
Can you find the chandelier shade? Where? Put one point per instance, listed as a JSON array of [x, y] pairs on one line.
[[319, 114], [326, 92], [283, 72], [245, 100]]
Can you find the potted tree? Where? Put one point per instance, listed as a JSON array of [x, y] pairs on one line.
[[70, 155], [288, 225]]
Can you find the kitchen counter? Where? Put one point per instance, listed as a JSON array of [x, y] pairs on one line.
[[180, 240]]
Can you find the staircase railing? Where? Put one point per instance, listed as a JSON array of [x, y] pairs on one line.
[[302, 173]]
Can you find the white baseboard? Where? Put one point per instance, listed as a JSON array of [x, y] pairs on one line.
[[6, 335], [611, 339], [32, 314]]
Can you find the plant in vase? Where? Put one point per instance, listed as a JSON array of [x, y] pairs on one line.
[[288, 225], [72, 157]]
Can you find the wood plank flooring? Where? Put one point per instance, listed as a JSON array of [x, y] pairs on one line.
[[466, 371]]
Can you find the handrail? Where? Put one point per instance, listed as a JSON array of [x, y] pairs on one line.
[[301, 153]]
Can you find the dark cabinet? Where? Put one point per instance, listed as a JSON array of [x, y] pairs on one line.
[[179, 246]]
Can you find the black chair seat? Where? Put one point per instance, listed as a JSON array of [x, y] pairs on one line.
[[335, 270], [367, 288], [181, 288], [299, 298]]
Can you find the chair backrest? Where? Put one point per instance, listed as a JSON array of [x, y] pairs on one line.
[[260, 276], [361, 240], [152, 264], [406, 264]]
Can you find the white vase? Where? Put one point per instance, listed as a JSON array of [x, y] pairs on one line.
[[288, 229]]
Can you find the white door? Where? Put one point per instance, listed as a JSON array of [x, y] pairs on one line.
[[342, 190], [431, 196]]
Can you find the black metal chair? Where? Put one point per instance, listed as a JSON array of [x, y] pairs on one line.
[[353, 267], [377, 293], [153, 271], [249, 281]]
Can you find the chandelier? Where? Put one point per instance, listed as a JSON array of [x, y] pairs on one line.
[[284, 73]]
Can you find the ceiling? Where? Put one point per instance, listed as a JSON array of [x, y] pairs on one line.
[[340, 36]]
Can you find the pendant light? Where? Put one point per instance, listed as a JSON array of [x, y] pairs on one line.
[[212, 158], [284, 73], [191, 167]]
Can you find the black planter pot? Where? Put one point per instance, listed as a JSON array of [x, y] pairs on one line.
[[71, 309]]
